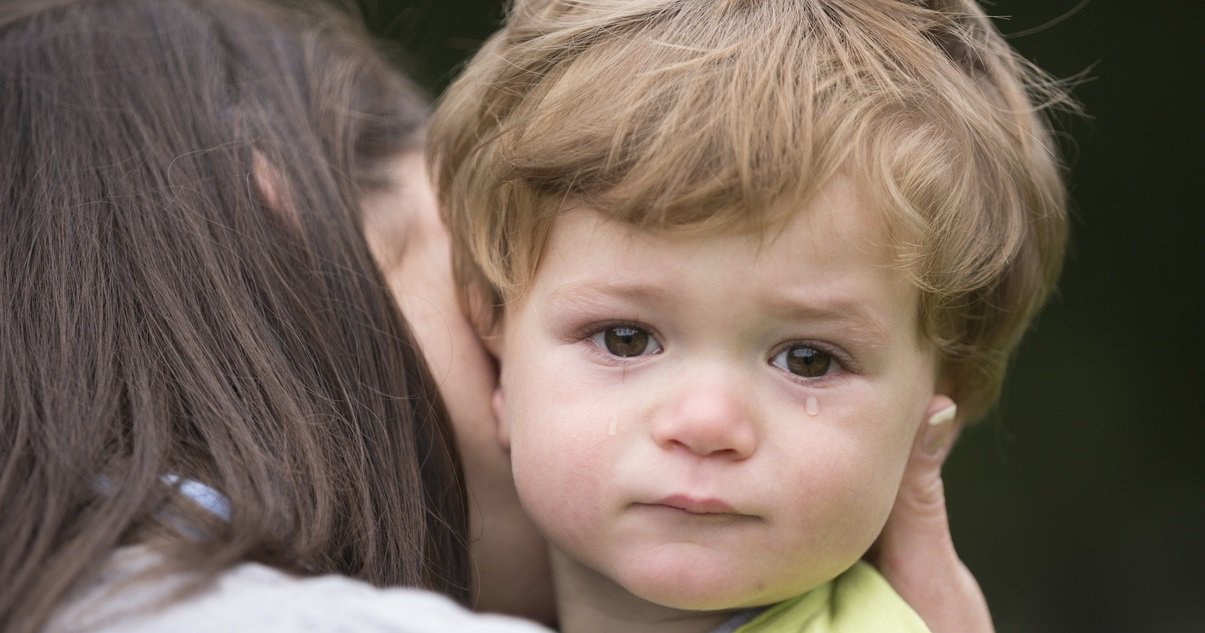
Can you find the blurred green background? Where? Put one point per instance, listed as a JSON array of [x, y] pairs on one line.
[[1081, 505]]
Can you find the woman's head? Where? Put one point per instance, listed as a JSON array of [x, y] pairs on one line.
[[186, 291], [404, 230]]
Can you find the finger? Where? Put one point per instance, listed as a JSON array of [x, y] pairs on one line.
[[918, 519], [915, 551]]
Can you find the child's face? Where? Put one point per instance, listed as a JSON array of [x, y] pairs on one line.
[[714, 421]]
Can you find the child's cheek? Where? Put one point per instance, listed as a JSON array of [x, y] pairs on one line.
[[837, 473], [557, 461]]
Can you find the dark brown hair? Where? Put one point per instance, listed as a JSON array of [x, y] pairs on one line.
[[163, 313]]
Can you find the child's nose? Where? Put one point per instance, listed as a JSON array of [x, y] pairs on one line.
[[709, 422]]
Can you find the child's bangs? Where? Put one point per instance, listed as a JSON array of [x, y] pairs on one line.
[[654, 131], [736, 115]]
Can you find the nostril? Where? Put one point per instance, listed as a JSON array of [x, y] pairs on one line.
[[727, 446], [711, 422]]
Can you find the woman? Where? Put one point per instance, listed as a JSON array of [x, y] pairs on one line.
[[202, 366]]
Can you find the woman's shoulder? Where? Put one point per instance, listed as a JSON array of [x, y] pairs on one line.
[[255, 597]]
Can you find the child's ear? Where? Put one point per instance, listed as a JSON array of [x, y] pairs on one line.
[[499, 408], [489, 326], [493, 343]]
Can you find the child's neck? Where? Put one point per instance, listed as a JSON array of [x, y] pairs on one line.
[[589, 602]]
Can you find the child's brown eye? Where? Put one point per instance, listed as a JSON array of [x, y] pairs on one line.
[[626, 341], [804, 360]]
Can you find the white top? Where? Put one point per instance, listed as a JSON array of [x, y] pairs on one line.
[[254, 597]]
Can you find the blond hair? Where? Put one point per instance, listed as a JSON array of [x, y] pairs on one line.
[[707, 114]]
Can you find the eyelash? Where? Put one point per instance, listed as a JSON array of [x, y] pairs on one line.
[[586, 334], [844, 364]]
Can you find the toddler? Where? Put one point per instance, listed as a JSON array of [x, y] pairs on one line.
[[733, 257]]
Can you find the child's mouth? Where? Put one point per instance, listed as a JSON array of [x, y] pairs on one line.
[[695, 505]]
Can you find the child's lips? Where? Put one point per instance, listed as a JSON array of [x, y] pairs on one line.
[[696, 505]]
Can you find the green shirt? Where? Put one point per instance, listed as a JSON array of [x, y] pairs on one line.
[[857, 601]]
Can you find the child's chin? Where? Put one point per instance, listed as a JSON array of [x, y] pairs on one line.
[[699, 589]]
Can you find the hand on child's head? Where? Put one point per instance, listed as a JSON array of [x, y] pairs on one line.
[[915, 552]]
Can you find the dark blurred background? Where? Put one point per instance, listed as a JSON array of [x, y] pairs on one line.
[[1081, 505]]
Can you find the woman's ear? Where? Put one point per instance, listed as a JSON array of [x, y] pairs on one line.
[[270, 188]]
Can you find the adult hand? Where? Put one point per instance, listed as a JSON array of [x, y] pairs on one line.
[[915, 551]]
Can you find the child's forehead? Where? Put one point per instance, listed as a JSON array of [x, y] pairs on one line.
[[763, 222], [833, 229], [826, 265]]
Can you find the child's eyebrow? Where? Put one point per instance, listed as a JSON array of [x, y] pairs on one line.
[[585, 294], [851, 316]]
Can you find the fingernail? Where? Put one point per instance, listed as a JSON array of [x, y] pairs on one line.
[[941, 424]]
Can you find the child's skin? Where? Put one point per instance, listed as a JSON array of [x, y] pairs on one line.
[[915, 552], [703, 423]]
